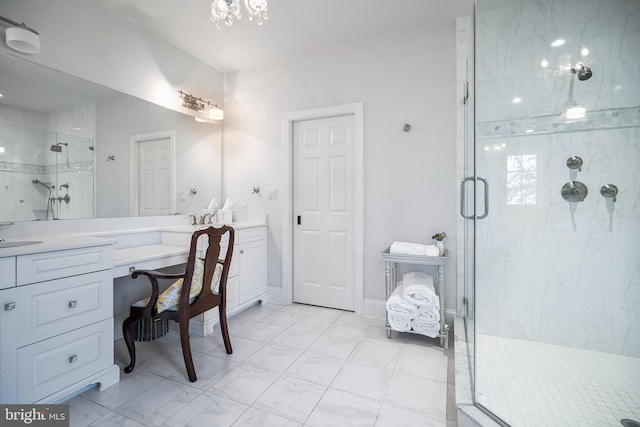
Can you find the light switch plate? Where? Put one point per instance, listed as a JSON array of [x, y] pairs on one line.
[[272, 194]]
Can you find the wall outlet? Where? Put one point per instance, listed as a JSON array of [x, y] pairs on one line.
[[272, 194], [182, 196]]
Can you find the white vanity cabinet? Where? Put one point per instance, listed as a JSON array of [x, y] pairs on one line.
[[247, 280], [7, 272], [56, 325], [251, 258]]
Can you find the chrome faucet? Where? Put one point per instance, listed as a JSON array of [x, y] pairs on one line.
[[203, 217], [3, 224]]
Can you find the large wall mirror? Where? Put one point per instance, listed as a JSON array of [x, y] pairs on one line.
[[72, 149]]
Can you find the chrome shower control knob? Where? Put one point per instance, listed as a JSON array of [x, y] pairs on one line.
[[575, 162], [574, 191], [609, 190]]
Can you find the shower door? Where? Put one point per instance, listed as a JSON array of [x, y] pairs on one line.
[[557, 264]]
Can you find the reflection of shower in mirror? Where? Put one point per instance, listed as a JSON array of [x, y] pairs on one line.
[[58, 147], [50, 198]]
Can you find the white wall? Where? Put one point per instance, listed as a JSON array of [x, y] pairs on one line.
[[409, 178], [84, 39]]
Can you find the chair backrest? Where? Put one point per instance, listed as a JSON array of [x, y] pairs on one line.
[[210, 246]]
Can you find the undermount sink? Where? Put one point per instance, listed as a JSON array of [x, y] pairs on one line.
[[22, 243]]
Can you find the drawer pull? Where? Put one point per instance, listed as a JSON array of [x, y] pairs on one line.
[[10, 306], [73, 358], [73, 304]]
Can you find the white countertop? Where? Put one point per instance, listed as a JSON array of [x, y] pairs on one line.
[[53, 243], [146, 253], [130, 246], [192, 228]]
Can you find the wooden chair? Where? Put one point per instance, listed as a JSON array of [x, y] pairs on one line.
[[187, 306]]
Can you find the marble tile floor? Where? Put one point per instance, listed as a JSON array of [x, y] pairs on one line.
[[292, 365]]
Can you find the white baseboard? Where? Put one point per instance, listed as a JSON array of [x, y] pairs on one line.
[[449, 315], [374, 309], [274, 294]]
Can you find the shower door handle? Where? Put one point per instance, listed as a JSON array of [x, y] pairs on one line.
[[463, 193], [486, 197]]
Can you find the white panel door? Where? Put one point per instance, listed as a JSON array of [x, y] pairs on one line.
[[323, 188], [154, 177]]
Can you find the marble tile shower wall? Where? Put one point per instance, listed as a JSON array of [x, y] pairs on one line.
[[548, 270], [512, 43], [26, 136]]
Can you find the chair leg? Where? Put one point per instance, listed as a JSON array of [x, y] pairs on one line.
[[127, 332], [186, 350], [224, 329]]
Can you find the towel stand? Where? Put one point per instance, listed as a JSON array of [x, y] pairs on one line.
[[391, 281]]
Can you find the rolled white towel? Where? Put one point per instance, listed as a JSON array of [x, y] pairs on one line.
[[426, 327], [417, 278], [399, 307], [406, 248], [421, 295], [429, 313], [399, 323]]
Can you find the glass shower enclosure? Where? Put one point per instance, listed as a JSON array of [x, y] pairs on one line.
[[553, 289]]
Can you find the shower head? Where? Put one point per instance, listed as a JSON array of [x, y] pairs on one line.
[[57, 147], [582, 71]]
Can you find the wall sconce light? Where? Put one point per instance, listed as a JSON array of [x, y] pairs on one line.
[[216, 113], [21, 38], [198, 104]]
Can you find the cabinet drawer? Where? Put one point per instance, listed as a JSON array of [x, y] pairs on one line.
[[252, 234], [39, 267], [51, 365], [7, 272], [58, 306]]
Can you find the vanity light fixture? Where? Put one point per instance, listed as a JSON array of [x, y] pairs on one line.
[[21, 38], [214, 111]]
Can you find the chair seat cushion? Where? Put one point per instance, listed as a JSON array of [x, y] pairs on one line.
[[169, 299]]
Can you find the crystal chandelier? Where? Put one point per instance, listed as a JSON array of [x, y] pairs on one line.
[[226, 10]]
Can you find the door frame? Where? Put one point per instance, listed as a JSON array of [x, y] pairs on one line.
[[134, 140], [357, 109]]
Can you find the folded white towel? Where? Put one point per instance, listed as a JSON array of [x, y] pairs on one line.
[[417, 278], [399, 307], [426, 327], [421, 295], [429, 313], [399, 323], [406, 248]]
